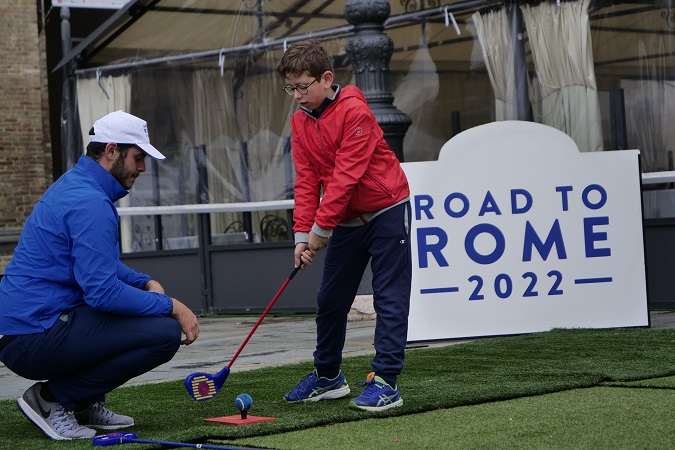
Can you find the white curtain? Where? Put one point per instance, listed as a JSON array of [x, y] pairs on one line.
[[216, 128], [560, 40], [224, 123], [96, 97], [418, 88], [649, 104], [494, 35]]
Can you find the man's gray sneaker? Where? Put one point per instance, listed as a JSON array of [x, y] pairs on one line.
[[51, 418], [98, 416]]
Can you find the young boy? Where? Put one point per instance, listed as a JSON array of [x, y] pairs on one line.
[[363, 215]]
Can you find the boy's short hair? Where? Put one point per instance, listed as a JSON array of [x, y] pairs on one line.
[[305, 56]]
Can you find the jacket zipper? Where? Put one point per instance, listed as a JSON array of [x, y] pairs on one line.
[[379, 183], [323, 147]]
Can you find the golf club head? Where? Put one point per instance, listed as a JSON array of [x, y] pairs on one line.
[[105, 440], [204, 386]]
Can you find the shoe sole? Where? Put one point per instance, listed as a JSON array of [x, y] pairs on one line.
[[40, 423], [107, 427], [328, 395], [395, 404]]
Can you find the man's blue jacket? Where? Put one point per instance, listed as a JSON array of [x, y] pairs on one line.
[[68, 254]]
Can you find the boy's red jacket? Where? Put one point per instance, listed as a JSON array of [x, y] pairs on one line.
[[344, 155]]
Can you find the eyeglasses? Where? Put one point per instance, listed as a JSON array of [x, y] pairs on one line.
[[290, 90]]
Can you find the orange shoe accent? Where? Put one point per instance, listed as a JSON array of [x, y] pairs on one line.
[[370, 377]]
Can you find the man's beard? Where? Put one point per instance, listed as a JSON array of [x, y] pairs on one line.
[[121, 173]]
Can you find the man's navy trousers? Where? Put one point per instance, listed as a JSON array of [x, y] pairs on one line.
[[88, 353]]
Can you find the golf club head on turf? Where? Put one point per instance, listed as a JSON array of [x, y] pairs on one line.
[[204, 386], [105, 440]]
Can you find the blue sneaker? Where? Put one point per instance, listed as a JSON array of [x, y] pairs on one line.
[[313, 388], [377, 396]]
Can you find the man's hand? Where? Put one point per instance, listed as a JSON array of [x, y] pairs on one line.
[[187, 321]]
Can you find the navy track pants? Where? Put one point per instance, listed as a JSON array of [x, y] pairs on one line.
[[385, 242]]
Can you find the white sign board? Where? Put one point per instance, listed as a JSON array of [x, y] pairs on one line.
[[516, 231], [94, 4]]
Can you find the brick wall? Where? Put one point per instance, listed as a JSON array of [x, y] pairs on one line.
[[25, 153]]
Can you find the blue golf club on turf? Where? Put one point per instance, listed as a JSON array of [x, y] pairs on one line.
[[204, 386], [106, 440]]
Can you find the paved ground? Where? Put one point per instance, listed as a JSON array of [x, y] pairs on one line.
[[277, 341]]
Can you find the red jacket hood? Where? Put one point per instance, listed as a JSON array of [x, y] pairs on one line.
[[343, 154]]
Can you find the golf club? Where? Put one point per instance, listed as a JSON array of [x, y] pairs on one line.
[[204, 386], [105, 440]]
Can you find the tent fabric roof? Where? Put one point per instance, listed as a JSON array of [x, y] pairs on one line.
[[156, 31], [147, 30]]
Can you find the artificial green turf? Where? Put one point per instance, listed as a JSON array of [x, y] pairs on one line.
[[593, 418], [482, 371], [652, 383]]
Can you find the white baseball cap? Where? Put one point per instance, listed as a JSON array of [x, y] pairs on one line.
[[123, 128]]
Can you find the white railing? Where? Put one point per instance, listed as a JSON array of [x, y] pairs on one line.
[[658, 177], [205, 208], [647, 178]]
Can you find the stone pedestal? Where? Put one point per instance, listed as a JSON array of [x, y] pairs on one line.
[[370, 51]]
